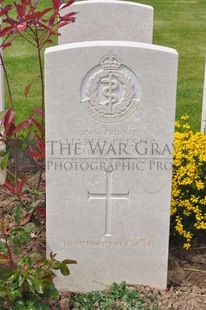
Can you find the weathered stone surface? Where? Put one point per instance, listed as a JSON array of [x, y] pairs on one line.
[[110, 109], [109, 20]]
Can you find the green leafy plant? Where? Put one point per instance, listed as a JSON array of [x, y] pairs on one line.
[[118, 297], [24, 19], [26, 279]]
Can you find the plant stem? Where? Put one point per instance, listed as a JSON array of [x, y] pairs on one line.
[[38, 43], [40, 174], [41, 70], [11, 262], [7, 82], [16, 180]]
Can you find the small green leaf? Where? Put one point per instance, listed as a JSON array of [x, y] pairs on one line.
[[64, 269], [4, 161], [21, 280], [39, 286], [11, 295], [16, 242], [19, 304], [30, 284], [29, 227], [33, 205], [18, 293], [51, 291], [13, 277], [3, 291], [18, 214], [3, 248], [35, 255]]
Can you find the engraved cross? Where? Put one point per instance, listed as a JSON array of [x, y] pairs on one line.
[[108, 197]]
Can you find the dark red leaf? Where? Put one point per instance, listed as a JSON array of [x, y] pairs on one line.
[[27, 219], [8, 117], [67, 16], [42, 211], [4, 10], [20, 8], [25, 167], [62, 24], [42, 13], [10, 187], [67, 4], [6, 31], [31, 16], [40, 127], [8, 43], [10, 130], [39, 111], [39, 151], [57, 4], [8, 122], [23, 125]]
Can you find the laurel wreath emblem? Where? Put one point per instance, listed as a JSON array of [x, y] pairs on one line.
[[128, 92]]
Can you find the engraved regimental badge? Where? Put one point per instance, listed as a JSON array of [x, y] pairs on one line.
[[110, 92]]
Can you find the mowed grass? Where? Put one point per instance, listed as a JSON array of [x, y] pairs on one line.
[[179, 24], [23, 68]]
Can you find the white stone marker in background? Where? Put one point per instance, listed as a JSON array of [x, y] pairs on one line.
[[110, 110], [203, 119], [109, 20]]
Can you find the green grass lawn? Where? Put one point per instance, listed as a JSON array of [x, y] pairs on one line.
[[180, 24]]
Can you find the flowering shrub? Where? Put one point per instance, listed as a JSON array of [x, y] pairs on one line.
[[188, 206]]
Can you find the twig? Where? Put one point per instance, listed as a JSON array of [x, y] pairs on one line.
[[189, 277], [174, 281], [199, 248], [193, 294], [7, 82], [172, 249], [197, 270]]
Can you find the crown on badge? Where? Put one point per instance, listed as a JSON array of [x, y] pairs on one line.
[[110, 62]]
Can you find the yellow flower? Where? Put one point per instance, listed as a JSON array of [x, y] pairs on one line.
[[184, 117], [188, 203]]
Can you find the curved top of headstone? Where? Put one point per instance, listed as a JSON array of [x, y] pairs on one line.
[[108, 20]]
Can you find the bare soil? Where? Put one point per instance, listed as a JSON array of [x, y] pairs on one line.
[[186, 269]]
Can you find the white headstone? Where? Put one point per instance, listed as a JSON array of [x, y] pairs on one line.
[[110, 110], [203, 119], [108, 20]]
